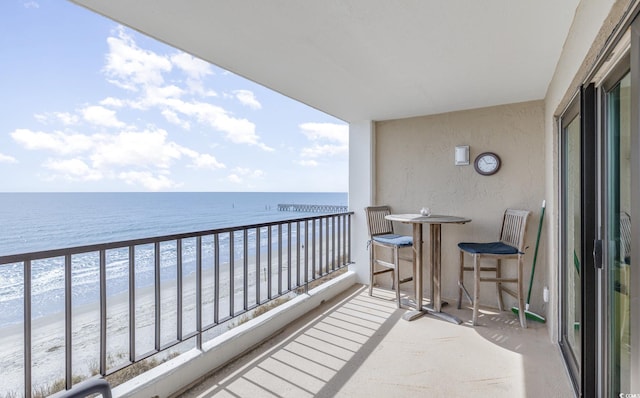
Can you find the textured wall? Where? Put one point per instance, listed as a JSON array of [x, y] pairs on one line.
[[414, 165]]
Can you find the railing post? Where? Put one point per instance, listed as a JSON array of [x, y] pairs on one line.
[[320, 237], [333, 243], [279, 259], [328, 242], [216, 273], [288, 257], [199, 292], [232, 275], [298, 280], [306, 256], [349, 225], [157, 289], [339, 236], [269, 261], [258, 280], [179, 287], [245, 268], [132, 304], [313, 248], [67, 322], [27, 328], [103, 312]]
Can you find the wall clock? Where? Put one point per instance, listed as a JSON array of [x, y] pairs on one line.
[[487, 163]]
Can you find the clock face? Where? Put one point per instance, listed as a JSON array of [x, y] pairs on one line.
[[487, 163]]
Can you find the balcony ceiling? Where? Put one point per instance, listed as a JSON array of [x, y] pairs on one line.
[[368, 59]]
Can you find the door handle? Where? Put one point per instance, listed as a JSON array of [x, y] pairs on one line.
[[597, 253]]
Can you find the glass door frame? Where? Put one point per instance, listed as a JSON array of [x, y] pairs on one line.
[[605, 235], [589, 269], [634, 293], [573, 361], [582, 370], [594, 374]]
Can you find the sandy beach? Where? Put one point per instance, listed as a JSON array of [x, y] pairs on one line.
[[48, 339]]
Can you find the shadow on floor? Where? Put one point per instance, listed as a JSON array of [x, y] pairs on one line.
[[357, 346]]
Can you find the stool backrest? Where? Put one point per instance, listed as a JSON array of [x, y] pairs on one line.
[[514, 227], [376, 221]]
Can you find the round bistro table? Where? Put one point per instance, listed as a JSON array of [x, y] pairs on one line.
[[435, 261]]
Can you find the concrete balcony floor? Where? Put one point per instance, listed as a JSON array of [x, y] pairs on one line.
[[358, 346]]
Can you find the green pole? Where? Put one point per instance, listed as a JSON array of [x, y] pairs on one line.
[[535, 253]]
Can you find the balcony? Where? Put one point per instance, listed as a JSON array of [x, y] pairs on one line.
[[328, 340]]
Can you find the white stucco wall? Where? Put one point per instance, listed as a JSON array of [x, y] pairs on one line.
[[415, 167], [361, 183]]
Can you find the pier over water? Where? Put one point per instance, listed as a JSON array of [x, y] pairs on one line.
[[313, 208]]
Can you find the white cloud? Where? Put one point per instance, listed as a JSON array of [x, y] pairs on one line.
[[101, 116], [135, 69], [327, 139], [58, 142], [143, 155], [247, 98], [130, 67], [238, 131], [147, 180], [326, 131], [7, 159], [245, 171], [307, 163], [113, 102], [240, 174], [206, 161], [65, 118], [173, 118], [137, 157], [74, 169], [31, 4], [318, 151], [140, 149], [155, 96], [194, 67]]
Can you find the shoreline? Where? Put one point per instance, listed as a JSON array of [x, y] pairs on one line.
[[48, 339]]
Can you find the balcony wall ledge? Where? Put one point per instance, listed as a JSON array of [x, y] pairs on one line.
[[182, 372]]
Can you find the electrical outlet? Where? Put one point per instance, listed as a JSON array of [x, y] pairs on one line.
[[545, 294]]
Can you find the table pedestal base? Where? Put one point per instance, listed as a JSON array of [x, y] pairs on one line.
[[415, 314]]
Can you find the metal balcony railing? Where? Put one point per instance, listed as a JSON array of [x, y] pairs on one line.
[[223, 273]]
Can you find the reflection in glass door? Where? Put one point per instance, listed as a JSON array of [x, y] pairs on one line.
[[617, 222], [571, 306]]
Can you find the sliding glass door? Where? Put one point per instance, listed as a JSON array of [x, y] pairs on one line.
[[617, 209], [571, 259], [600, 210]]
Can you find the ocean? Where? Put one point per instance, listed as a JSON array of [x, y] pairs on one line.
[[44, 221]]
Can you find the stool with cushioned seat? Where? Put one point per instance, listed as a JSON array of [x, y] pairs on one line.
[[510, 246], [381, 236]]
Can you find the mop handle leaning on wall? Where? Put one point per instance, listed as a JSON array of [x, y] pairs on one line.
[[529, 314], [535, 252]]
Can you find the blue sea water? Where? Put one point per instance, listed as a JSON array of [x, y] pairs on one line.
[[44, 221]]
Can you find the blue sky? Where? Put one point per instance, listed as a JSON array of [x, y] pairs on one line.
[[89, 105]]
